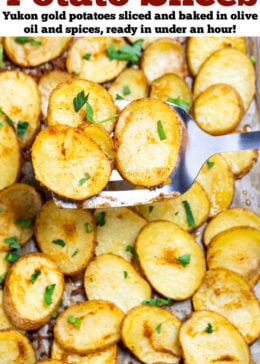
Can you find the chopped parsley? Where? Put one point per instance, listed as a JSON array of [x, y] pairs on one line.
[[158, 328], [210, 164], [132, 250], [22, 126], [7, 118], [83, 180], [54, 315], [59, 242], [126, 90], [101, 218], [12, 257], [2, 65], [209, 328], [184, 104], [74, 321], [87, 56], [119, 97], [1, 123], [2, 277], [35, 275], [31, 40], [157, 301], [13, 242], [161, 131], [88, 228], [150, 208], [126, 52], [125, 274], [79, 101], [184, 259], [189, 214], [253, 59], [48, 293], [74, 253], [23, 222]]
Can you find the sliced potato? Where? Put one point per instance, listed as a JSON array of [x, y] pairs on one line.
[[5, 323], [19, 204], [237, 249], [240, 162], [20, 102], [229, 218], [200, 48], [106, 356], [10, 155], [34, 51], [163, 56], [100, 319], [88, 58], [110, 277], [171, 259], [15, 348], [148, 134], [47, 83], [67, 236], [219, 68], [119, 231], [62, 108], [151, 334], [219, 109], [229, 294], [218, 182], [208, 337], [189, 211], [130, 84], [171, 86], [69, 163], [33, 291]]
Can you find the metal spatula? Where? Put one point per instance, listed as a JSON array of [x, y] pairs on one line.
[[197, 147]]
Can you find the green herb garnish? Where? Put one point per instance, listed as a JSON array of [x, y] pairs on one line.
[[126, 90], [12, 257], [184, 259], [160, 130], [189, 215], [101, 218], [74, 321], [90, 114], [22, 127], [23, 222], [2, 277], [210, 164], [13, 242], [54, 315], [7, 118], [1, 123], [253, 59], [150, 208], [127, 52], [87, 56], [2, 65], [35, 275], [125, 274], [88, 228], [158, 328], [157, 301], [132, 250], [79, 101], [49, 290], [209, 328], [84, 179], [119, 97], [24, 40], [184, 104], [59, 242], [74, 253]]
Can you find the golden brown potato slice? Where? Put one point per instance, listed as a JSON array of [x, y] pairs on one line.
[[33, 290], [208, 337], [131, 84], [19, 204], [148, 134], [15, 348], [88, 58], [189, 210], [20, 104], [106, 356], [100, 319], [67, 236], [237, 249], [151, 334], [229, 294], [218, 182], [5, 323], [200, 48], [30, 52], [173, 87], [219, 68], [47, 83], [219, 109], [81, 101], [110, 277], [229, 218], [117, 229], [171, 259], [240, 162], [69, 163], [163, 56]]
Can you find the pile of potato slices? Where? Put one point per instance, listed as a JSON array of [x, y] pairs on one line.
[[170, 282]]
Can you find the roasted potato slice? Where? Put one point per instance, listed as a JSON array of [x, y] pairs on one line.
[[100, 319], [31, 52], [171, 87], [15, 348], [20, 104], [69, 163], [218, 182], [229, 294], [106, 356], [219, 109], [19, 204], [148, 135], [237, 249], [5, 323], [151, 334], [131, 84], [189, 210], [110, 277], [200, 48], [208, 337], [219, 68], [67, 236], [69, 100], [229, 218], [88, 58], [162, 56], [33, 290], [47, 83], [240, 162], [171, 259], [117, 229]]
